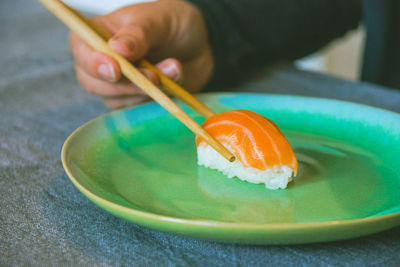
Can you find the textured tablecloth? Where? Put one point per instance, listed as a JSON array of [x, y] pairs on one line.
[[45, 220]]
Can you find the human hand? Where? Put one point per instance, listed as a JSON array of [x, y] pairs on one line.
[[168, 33]]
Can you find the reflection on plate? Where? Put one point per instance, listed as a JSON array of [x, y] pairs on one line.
[[140, 164]]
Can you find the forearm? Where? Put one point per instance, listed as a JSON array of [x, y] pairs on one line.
[[246, 34]]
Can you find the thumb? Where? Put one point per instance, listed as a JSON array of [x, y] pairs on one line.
[[130, 41]]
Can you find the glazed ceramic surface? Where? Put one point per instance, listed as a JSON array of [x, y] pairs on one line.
[[140, 164]]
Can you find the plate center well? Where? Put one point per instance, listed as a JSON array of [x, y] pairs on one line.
[[160, 175]]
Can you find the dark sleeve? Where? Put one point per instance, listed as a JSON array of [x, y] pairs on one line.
[[248, 34]]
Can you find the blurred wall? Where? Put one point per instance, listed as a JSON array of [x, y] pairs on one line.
[[342, 58]]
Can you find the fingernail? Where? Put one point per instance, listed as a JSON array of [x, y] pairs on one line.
[[107, 72], [170, 69]]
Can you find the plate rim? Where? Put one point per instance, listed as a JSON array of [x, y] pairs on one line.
[[213, 223]]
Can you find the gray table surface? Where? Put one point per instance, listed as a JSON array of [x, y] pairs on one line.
[[45, 221]]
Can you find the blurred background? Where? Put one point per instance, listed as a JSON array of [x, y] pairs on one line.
[[342, 58]]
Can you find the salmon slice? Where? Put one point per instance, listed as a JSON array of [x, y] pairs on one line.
[[256, 141]]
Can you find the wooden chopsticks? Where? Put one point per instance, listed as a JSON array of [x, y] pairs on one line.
[[177, 91], [97, 37]]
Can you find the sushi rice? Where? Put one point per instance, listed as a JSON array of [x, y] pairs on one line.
[[275, 177]]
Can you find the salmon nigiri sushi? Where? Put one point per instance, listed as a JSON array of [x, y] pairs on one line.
[[263, 154]]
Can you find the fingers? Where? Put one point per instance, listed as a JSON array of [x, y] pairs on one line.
[[103, 88], [151, 76], [130, 41], [95, 63], [133, 37], [172, 68], [124, 93]]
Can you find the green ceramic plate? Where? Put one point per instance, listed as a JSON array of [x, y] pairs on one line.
[[140, 164]]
